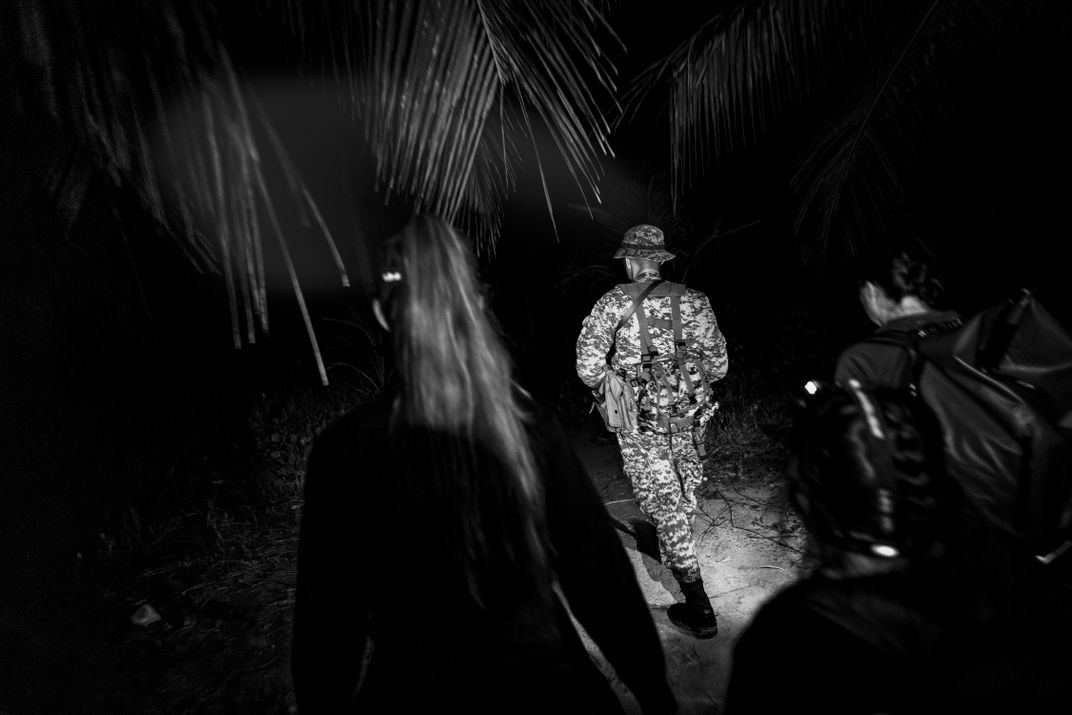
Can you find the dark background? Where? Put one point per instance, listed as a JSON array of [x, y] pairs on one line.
[[117, 364]]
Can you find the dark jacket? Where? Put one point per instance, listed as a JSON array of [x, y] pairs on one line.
[[885, 364], [377, 564], [919, 642]]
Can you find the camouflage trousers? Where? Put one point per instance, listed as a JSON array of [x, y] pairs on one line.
[[665, 470]]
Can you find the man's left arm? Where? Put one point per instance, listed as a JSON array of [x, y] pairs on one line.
[[711, 341]]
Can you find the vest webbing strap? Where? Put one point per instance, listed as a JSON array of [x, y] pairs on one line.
[[679, 342], [646, 358], [629, 314], [650, 354], [636, 303]]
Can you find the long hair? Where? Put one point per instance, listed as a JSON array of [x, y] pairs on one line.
[[456, 374]]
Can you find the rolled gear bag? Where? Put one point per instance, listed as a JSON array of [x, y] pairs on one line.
[[1001, 387]]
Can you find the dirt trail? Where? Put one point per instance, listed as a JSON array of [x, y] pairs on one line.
[[748, 546]]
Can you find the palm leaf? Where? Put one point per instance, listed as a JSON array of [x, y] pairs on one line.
[[95, 80], [448, 90], [749, 65], [218, 170], [727, 82], [851, 179]]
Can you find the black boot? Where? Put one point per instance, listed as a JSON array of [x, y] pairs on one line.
[[695, 615]]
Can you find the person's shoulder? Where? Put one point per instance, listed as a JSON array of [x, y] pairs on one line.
[[617, 292], [781, 616], [366, 423], [812, 605], [613, 300], [797, 595], [694, 295], [696, 305]]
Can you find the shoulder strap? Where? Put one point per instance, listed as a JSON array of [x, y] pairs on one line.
[[648, 352], [636, 303], [910, 344], [997, 343], [677, 289], [629, 313], [679, 341], [645, 336]]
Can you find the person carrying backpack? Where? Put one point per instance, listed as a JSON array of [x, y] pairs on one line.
[[890, 618], [1000, 382], [898, 292], [667, 352]]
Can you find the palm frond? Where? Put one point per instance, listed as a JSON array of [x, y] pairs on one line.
[[448, 90], [97, 81], [92, 75], [904, 62], [742, 68], [218, 166], [851, 179]]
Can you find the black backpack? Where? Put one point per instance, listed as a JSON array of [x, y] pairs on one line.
[[1001, 386]]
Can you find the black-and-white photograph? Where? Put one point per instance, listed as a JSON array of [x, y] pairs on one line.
[[535, 356]]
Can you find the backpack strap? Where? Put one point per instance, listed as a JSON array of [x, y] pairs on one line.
[[629, 313], [997, 343], [649, 352], [916, 360], [636, 304], [647, 357], [912, 342]]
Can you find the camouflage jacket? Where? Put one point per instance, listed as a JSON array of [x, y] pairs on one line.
[[699, 327]]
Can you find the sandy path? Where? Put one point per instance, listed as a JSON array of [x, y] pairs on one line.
[[747, 547]]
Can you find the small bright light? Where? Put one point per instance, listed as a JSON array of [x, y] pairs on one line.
[[811, 387], [885, 550]]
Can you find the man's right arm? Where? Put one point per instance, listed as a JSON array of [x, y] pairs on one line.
[[595, 340], [851, 365]]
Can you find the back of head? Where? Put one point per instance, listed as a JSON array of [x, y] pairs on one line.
[[903, 272], [449, 352], [867, 475], [455, 372]]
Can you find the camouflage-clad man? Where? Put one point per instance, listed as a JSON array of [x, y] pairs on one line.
[[664, 468]]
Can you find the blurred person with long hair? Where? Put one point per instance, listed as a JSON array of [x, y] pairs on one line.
[[443, 523], [890, 618]]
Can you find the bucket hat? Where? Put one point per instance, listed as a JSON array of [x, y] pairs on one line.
[[644, 241]]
